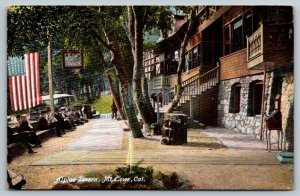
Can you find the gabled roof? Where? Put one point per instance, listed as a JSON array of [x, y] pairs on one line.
[[173, 40]]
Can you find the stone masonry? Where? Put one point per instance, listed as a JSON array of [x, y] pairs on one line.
[[281, 79], [238, 121]]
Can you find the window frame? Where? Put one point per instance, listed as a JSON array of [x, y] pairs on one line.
[[252, 98], [235, 104], [230, 26]]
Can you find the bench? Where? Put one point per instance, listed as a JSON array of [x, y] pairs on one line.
[[17, 148], [42, 134]]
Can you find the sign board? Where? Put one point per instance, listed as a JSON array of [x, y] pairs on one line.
[[72, 59]]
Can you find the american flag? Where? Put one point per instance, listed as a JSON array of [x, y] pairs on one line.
[[24, 81]]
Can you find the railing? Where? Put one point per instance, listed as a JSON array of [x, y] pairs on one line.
[[199, 84], [255, 44], [191, 79], [270, 41], [161, 81], [193, 86]]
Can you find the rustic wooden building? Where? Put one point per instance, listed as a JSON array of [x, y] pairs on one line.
[[237, 61]]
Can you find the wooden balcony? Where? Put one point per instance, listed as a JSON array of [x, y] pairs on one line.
[[270, 47], [159, 83]]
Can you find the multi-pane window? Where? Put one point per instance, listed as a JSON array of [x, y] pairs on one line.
[[186, 68], [200, 57], [227, 36], [192, 58], [237, 35], [248, 26], [195, 60], [236, 32]]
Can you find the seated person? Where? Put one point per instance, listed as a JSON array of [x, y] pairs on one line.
[[71, 115], [44, 124], [78, 114], [64, 124], [23, 136], [68, 122], [14, 121], [26, 127]]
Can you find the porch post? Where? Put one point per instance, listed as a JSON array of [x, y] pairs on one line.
[[191, 108]]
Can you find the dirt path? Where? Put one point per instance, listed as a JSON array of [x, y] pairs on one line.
[[204, 161]]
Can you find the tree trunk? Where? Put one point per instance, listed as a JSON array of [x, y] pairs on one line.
[[146, 96], [140, 94], [116, 96], [181, 63], [125, 77], [128, 104], [113, 85]]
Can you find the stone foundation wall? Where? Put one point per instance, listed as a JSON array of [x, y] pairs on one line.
[[238, 121], [279, 81]]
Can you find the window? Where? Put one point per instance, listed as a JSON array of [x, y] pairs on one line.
[[190, 59], [248, 26], [235, 98], [237, 34], [255, 98], [186, 67], [195, 61], [227, 39], [200, 58]]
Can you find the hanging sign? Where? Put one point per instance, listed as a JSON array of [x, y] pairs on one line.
[[72, 59]]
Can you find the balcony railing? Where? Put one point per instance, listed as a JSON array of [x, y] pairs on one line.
[[255, 44], [159, 82], [270, 46]]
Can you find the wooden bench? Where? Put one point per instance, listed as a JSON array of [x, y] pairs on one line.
[[17, 148], [43, 134]]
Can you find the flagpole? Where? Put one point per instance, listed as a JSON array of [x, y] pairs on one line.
[[50, 74]]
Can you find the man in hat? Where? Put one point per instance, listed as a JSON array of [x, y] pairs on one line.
[[25, 126]]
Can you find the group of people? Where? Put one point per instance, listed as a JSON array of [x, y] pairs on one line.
[[26, 133], [62, 120]]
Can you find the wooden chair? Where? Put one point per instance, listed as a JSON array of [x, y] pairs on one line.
[[273, 122]]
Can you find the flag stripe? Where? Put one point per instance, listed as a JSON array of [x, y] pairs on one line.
[[24, 92], [27, 62], [24, 81], [11, 94], [39, 79], [19, 78], [36, 78], [29, 80], [32, 79], [17, 93], [14, 94]]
